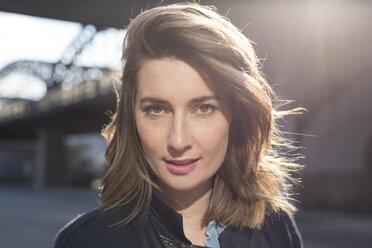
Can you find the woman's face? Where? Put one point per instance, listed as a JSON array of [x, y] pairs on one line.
[[183, 124]]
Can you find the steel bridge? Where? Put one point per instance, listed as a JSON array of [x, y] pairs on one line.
[[77, 100]]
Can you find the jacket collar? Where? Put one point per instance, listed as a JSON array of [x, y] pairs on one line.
[[170, 218], [169, 225]]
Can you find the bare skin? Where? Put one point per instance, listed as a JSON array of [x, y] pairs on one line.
[[192, 220]]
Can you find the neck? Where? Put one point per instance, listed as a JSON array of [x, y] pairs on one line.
[[191, 204]]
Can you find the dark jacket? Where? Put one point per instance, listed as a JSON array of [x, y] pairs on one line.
[[163, 228]]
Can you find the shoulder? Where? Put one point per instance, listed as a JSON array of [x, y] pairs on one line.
[[278, 230], [282, 231], [88, 230]]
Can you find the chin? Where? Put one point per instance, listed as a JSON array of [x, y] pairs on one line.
[[185, 186]]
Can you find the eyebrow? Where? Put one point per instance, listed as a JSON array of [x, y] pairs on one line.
[[204, 98], [192, 101]]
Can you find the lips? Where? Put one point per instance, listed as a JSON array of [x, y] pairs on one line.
[[182, 162], [180, 167]]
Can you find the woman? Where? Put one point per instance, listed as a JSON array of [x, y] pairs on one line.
[[193, 148]]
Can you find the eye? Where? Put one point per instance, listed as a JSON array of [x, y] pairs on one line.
[[154, 110], [205, 109]]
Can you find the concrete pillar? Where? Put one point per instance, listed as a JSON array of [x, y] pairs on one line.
[[40, 158], [50, 159]]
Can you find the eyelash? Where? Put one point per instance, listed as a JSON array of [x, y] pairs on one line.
[[211, 108], [149, 110]]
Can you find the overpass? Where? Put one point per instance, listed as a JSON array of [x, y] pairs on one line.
[[82, 108], [78, 100]]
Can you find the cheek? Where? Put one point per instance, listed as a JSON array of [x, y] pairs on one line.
[[151, 141], [146, 138], [214, 138]]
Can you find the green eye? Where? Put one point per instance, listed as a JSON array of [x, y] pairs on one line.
[[206, 109], [156, 110]]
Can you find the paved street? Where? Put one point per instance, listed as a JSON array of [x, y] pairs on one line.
[[31, 218]]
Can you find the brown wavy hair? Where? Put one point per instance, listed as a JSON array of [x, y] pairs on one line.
[[255, 179]]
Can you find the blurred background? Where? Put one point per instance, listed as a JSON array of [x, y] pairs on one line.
[[59, 62]]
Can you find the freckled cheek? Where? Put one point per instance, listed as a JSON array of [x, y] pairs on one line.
[[152, 138], [213, 137]]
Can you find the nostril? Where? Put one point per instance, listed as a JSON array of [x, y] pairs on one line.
[[176, 152]]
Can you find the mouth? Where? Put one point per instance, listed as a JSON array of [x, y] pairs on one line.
[[181, 162], [181, 167]]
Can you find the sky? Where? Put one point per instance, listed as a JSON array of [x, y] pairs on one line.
[[42, 39]]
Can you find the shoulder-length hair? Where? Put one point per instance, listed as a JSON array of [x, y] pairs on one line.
[[254, 178]]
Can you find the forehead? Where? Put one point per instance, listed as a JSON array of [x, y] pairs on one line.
[[172, 79]]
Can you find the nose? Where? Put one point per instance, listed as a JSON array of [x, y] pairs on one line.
[[179, 139]]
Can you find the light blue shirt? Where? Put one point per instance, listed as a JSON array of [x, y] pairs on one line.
[[214, 230]]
